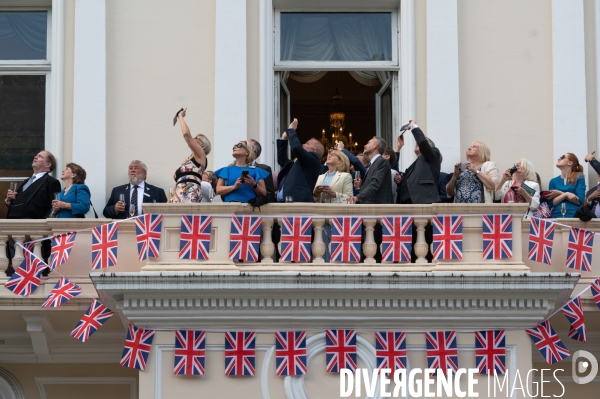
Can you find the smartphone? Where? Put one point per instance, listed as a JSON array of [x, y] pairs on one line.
[[245, 174], [514, 188], [463, 166], [512, 170]]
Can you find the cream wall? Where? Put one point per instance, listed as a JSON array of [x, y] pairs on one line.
[[505, 64], [253, 72], [590, 81], [69, 62], [159, 58], [421, 63]]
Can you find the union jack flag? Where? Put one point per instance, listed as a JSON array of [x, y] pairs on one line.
[[572, 310], [26, 278], [447, 237], [396, 243], [61, 249], [147, 230], [194, 240], [189, 352], [548, 342], [245, 238], [340, 350], [442, 352], [137, 347], [295, 239], [96, 315], [390, 349], [240, 352], [596, 291], [345, 239], [490, 351], [61, 293], [497, 236], [579, 250], [29, 245], [104, 246], [541, 236], [290, 352]]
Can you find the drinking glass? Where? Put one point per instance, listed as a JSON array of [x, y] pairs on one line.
[[170, 195], [57, 196], [563, 209], [131, 210], [122, 197], [211, 195], [13, 186], [289, 199]]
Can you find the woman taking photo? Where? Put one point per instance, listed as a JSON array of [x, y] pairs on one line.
[[567, 191], [477, 183], [519, 184], [239, 181], [74, 200], [335, 185]]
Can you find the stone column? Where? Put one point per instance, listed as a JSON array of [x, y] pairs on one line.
[[369, 247], [18, 258], [3, 257], [318, 246], [421, 245], [37, 249], [267, 248]]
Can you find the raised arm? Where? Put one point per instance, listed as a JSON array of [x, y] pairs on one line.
[[428, 153], [354, 161], [194, 145]]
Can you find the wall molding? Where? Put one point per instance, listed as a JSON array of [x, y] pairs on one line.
[[42, 382]]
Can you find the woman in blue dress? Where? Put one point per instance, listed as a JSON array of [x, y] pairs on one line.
[[74, 200], [240, 182], [568, 188]]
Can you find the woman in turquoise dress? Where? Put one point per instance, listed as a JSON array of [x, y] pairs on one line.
[[74, 200], [568, 188], [240, 182]]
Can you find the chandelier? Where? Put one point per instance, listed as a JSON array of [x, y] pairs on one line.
[[337, 124]]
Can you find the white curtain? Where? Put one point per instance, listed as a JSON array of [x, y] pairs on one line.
[[31, 28]]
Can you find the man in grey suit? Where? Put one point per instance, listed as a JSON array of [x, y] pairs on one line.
[[375, 187]]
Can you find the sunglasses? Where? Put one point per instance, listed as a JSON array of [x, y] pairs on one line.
[[562, 157], [239, 145]]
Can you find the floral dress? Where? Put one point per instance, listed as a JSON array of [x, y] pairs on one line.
[[469, 189], [188, 179]]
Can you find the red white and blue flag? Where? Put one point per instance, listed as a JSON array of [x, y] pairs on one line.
[[26, 278], [104, 246], [240, 353], [396, 241], [541, 237], [147, 231], [194, 241], [61, 293], [548, 342], [390, 349], [442, 352], [62, 245], [296, 233], [340, 350], [290, 352], [497, 236], [596, 291], [579, 249], [572, 310], [137, 347], [96, 315], [490, 351], [245, 238], [190, 349], [345, 239], [447, 237]]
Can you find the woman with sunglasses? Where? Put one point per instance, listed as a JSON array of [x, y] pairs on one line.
[[188, 177], [519, 184], [240, 182], [568, 188]]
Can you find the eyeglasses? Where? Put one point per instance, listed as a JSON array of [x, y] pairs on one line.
[[239, 145], [562, 157]]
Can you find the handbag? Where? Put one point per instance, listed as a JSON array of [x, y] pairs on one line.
[[585, 214]]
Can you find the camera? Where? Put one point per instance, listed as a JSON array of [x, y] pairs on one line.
[[512, 170]]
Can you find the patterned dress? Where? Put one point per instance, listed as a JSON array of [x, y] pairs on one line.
[[469, 189], [188, 179]]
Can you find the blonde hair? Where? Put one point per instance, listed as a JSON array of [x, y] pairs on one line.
[[251, 153], [206, 142], [529, 171], [484, 151], [344, 165]]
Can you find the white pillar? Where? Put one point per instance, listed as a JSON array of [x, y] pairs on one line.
[[266, 109], [443, 106], [56, 82], [569, 89], [89, 96], [231, 102], [408, 102]]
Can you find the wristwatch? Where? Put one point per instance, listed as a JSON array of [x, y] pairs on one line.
[[478, 171], [255, 185]]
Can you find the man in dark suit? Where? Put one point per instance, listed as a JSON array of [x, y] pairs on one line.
[[298, 178], [136, 192], [592, 197], [420, 182], [269, 180], [376, 186]]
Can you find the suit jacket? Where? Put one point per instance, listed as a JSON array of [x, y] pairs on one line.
[[341, 184], [300, 176], [154, 194], [268, 182], [423, 177], [375, 187], [36, 201]]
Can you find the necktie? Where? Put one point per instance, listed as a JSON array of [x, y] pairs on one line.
[[134, 199], [29, 183]]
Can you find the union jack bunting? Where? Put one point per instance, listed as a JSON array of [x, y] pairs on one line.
[[497, 236], [93, 319], [596, 291], [104, 246], [245, 238], [447, 237], [390, 349], [61, 293], [340, 350], [62, 245], [189, 352], [442, 352], [572, 310], [240, 352], [295, 239], [194, 241], [345, 239], [26, 278], [548, 342], [290, 352], [541, 237], [579, 250], [147, 230], [490, 351], [137, 347], [396, 242]]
